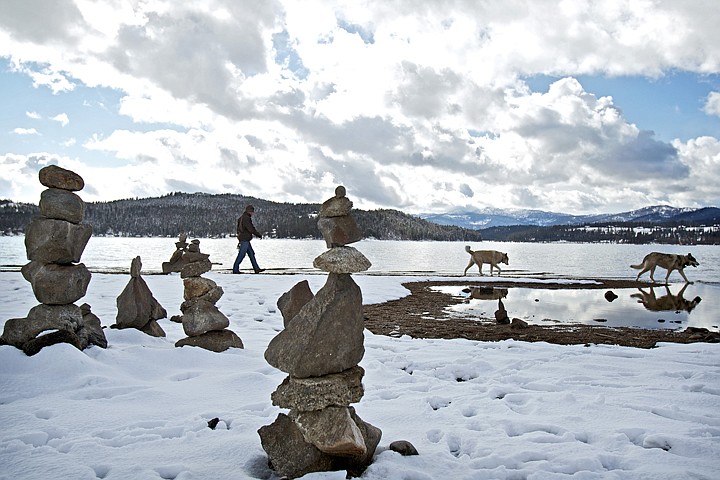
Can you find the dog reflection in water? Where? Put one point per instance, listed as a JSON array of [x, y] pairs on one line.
[[486, 293], [667, 302]]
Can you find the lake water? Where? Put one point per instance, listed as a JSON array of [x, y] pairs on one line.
[[449, 259]]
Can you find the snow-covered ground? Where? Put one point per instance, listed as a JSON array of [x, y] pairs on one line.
[[508, 410]]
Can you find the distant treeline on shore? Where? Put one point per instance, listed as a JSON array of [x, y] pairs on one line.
[[206, 216]]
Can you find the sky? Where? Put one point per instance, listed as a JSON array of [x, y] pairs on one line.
[[501, 410], [427, 107]]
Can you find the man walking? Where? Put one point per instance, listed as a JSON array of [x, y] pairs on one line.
[[245, 232]]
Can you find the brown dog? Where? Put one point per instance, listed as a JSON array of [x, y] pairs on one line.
[[492, 257], [668, 261]]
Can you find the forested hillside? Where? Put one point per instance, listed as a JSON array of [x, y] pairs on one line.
[[626, 232], [204, 215]]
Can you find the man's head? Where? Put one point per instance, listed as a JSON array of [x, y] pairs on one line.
[[250, 209]]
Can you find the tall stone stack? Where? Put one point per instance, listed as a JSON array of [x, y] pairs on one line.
[[136, 306], [204, 324], [320, 349], [54, 242]]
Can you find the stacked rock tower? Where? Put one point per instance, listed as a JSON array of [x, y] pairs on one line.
[[54, 242], [320, 349], [204, 324]]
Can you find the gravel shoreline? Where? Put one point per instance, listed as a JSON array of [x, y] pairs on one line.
[[422, 313]]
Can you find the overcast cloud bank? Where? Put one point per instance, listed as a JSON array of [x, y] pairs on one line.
[[416, 107]]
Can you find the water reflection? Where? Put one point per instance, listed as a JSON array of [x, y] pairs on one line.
[[667, 302], [629, 308], [486, 293]]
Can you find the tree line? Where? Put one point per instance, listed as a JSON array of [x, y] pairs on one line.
[[203, 215], [640, 233]]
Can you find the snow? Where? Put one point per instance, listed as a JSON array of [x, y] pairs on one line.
[[503, 410]]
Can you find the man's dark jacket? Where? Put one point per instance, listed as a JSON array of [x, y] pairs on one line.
[[245, 228]]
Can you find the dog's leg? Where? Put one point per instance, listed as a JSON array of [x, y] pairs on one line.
[[683, 275], [472, 262], [652, 273]]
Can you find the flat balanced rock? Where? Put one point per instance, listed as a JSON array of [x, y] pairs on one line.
[[215, 341]]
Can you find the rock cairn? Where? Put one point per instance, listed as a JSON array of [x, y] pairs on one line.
[[177, 260], [320, 349], [137, 308], [54, 242], [204, 324]]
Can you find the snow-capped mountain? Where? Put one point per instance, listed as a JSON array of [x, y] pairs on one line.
[[495, 217]]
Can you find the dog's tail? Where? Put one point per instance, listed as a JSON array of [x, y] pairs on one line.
[[639, 266], [467, 249]]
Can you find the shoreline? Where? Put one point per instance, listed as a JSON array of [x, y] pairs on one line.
[[422, 314]]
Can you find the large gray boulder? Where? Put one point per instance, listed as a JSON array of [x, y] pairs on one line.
[[288, 453], [55, 284], [194, 287], [62, 205], [56, 241], [331, 430], [337, 226], [41, 318], [52, 325], [326, 336], [201, 317], [291, 456], [339, 231]]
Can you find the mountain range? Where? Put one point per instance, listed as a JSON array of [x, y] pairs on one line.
[[495, 217]]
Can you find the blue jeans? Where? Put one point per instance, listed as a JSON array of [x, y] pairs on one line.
[[245, 248]]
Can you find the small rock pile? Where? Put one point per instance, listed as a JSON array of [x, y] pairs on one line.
[[137, 308], [204, 324], [177, 260], [320, 349], [54, 242]]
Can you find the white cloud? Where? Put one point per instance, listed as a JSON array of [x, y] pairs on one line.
[[700, 188], [62, 118], [20, 175], [712, 104], [33, 115], [413, 105], [25, 131]]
